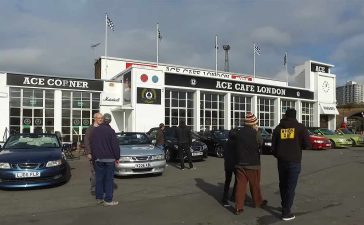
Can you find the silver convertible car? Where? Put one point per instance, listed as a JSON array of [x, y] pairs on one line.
[[138, 155]]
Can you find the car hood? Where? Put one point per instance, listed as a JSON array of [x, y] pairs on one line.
[[139, 150], [336, 137], [30, 156]]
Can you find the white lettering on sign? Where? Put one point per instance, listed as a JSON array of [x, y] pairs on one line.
[[224, 85], [320, 69], [55, 82], [111, 99], [271, 90]]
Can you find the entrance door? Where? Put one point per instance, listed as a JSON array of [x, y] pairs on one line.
[[324, 121], [32, 120]]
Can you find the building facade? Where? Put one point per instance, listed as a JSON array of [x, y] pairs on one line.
[[139, 95], [350, 93]]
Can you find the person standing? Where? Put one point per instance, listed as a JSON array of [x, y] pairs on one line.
[[106, 153], [98, 119], [159, 143], [184, 138], [248, 164], [229, 165], [289, 138]]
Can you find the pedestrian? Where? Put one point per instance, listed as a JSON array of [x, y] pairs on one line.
[[289, 138], [184, 139], [229, 166], [159, 143], [248, 164], [106, 153], [98, 119]]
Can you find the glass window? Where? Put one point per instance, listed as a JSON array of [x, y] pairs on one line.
[[266, 112], [240, 105], [287, 104], [212, 111], [180, 107], [307, 114]]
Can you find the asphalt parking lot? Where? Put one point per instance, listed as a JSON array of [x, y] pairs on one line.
[[330, 191]]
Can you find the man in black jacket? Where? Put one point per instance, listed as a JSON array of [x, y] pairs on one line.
[[248, 164], [289, 138], [184, 138]]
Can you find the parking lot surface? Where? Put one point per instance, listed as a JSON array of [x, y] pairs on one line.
[[330, 191]]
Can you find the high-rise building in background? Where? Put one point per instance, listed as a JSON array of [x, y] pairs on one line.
[[351, 92]]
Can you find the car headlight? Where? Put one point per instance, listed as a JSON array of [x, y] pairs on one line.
[[54, 163], [158, 157], [125, 159], [4, 165], [204, 147], [318, 141]]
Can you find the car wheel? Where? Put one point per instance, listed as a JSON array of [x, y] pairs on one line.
[[219, 151], [354, 143], [332, 144], [168, 155]]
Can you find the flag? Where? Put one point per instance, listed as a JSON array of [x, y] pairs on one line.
[[95, 45], [110, 23], [285, 59], [159, 35], [256, 49], [216, 44]]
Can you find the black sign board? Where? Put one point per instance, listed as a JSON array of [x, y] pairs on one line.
[[53, 82], [227, 85], [149, 96], [319, 68]]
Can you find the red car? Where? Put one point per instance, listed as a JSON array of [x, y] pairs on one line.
[[319, 142]]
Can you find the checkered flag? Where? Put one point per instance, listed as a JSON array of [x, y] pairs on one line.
[[110, 23], [256, 49]]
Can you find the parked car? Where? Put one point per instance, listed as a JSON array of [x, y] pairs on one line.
[[337, 141], [138, 155], [198, 148], [267, 142], [319, 142], [357, 139], [33, 160], [215, 141]]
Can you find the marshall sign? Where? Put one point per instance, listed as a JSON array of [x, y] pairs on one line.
[[53, 82], [235, 86]]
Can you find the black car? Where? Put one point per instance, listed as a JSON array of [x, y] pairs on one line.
[[215, 141], [198, 148], [267, 142]]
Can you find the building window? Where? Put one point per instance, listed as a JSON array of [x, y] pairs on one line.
[[266, 112], [77, 111], [286, 104], [211, 111], [179, 106], [31, 110], [240, 105], [307, 114]]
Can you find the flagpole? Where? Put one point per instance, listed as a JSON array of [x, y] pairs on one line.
[[286, 57], [157, 44], [216, 46], [106, 45], [254, 60]]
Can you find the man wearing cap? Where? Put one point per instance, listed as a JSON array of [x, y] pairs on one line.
[[248, 163], [289, 138], [159, 142], [105, 152]]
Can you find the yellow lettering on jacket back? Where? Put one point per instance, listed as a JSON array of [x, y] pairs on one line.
[[287, 133]]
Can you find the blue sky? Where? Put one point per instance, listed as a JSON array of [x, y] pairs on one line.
[[54, 37]]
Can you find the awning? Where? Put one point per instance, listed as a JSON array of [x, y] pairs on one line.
[[328, 109]]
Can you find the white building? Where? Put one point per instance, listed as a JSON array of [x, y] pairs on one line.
[[140, 95], [351, 92]]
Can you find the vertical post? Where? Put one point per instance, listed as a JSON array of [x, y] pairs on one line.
[[105, 44], [216, 47], [254, 60], [157, 44], [286, 60]]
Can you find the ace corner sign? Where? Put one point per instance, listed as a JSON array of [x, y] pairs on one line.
[[148, 96]]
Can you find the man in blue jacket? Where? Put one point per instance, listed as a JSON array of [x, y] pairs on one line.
[[105, 152], [289, 138]]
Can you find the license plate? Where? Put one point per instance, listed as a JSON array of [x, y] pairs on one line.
[[197, 153], [27, 174], [142, 165], [268, 144]]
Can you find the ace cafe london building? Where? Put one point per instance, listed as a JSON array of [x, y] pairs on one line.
[[139, 95]]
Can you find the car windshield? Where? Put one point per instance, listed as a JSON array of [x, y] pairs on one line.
[[327, 132], [132, 138], [346, 131], [264, 132], [221, 134], [32, 141]]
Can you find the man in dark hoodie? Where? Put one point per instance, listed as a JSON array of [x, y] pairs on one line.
[[289, 138], [105, 152], [184, 138]]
